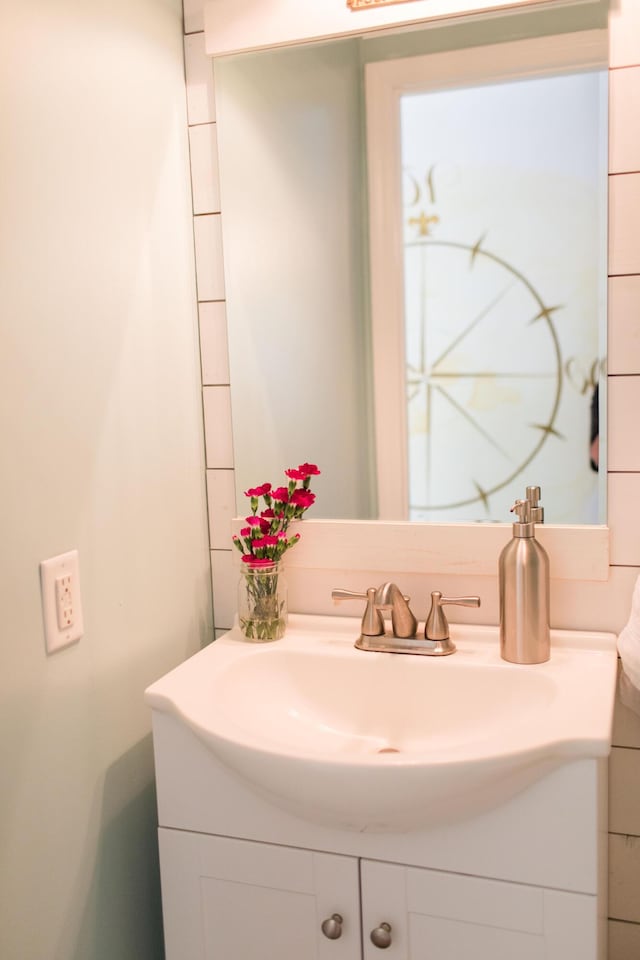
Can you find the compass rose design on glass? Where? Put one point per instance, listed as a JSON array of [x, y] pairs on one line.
[[481, 342], [503, 280]]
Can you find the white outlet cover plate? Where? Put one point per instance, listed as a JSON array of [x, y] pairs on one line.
[[66, 564]]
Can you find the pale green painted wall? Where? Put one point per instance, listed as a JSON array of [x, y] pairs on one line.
[[100, 420]]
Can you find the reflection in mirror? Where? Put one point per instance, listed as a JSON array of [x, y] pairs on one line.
[[293, 171], [501, 290]]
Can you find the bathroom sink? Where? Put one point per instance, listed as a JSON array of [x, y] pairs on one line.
[[392, 742]]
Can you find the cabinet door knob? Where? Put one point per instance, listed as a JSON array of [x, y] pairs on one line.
[[332, 927], [381, 936]]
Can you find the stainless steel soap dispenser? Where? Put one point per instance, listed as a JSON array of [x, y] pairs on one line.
[[523, 572]]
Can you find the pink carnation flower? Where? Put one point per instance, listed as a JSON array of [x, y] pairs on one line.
[[267, 541], [295, 474], [265, 532], [258, 491], [303, 498]]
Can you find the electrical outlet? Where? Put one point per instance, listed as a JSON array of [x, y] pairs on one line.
[[61, 606], [64, 601]]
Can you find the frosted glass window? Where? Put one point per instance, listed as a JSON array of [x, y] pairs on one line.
[[504, 230]]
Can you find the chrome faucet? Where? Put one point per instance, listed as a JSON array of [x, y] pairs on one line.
[[404, 626]]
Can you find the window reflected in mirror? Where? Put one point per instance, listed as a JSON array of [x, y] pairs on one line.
[[503, 206], [489, 322]]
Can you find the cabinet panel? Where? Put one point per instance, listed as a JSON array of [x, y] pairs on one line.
[[448, 916], [450, 939], [226, 899], [572, 927], [384, 900], [473, 900], [242, 920]]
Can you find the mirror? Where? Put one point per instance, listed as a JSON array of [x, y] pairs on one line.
[[294, 198]]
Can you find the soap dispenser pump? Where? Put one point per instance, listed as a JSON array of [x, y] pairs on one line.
[[523, 572]]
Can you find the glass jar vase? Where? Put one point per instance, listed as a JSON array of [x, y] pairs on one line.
[[262, 602]]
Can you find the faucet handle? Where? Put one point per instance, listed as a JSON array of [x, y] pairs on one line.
[[437, 627], [372, 622]]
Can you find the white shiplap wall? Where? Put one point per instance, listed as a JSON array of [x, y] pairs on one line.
[[624, 452], [602, 606]]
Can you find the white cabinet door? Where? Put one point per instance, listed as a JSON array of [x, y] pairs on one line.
[[443, 916], [227, 899]]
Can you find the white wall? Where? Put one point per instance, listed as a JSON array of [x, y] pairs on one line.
[[101, 425]]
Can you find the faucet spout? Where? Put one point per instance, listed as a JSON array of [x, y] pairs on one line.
[[403, 622]]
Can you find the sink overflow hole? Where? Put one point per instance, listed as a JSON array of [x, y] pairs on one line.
[[388, 750]]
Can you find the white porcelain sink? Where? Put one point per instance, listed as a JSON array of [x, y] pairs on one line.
[[392, 742]]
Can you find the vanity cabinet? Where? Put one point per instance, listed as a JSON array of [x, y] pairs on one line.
[[262, 845], [230, 899]]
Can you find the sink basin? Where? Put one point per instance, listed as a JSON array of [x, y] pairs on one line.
[[392, 742]]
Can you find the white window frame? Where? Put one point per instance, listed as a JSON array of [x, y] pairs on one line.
[[385, 83]]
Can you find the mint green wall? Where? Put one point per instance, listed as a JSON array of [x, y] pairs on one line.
[[295, 258], [100, 419]]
